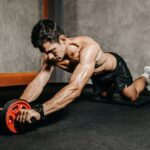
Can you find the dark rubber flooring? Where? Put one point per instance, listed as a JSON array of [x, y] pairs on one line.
[[85, 125]]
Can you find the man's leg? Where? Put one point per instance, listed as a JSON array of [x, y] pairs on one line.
[[133, 91]]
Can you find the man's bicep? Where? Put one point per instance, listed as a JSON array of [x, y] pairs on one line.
[[86, 66], [82, 74]]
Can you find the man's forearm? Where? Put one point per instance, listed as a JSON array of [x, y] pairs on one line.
[[35, 88], [31, 93], [61, 99]]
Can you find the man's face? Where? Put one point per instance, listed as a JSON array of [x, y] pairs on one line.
[[55, 51]]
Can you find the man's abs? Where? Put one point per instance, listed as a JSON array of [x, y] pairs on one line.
[[105, 62]]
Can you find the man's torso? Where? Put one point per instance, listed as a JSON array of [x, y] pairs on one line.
[[104, 61]]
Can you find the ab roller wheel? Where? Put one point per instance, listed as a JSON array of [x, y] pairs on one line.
[[9, 114]]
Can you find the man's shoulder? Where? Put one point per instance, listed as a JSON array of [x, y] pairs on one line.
[[83, 38]]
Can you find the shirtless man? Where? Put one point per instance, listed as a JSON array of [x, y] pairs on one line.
[[84, 58]]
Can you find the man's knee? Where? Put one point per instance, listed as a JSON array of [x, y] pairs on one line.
[[130, 93], [131, 97], [134, 98], [106, 94]]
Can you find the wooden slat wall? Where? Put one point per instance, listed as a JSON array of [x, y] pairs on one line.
[[12, 79], [45, 9]]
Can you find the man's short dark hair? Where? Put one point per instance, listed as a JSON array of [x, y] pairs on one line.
[[45, 30]]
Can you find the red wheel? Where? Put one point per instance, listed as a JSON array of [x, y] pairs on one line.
[[10, 112]]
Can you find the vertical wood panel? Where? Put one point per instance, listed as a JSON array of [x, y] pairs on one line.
[[45, 9]]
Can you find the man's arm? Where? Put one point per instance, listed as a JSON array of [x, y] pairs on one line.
[[80, 77], [35, 87]]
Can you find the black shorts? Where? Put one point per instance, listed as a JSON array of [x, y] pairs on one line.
[[117, 79]]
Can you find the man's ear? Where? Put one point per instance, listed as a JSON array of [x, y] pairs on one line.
[[62, 38]]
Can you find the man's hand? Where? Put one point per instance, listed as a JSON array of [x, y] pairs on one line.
[[26, 115]]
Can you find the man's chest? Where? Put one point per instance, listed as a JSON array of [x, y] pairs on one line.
[[68, 64]]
